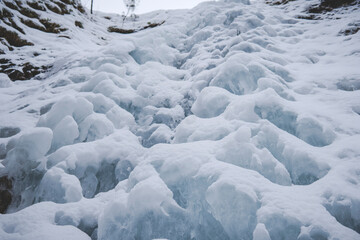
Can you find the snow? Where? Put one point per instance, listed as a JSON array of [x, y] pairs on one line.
[[5, 81], [58, 186], [260, 232], [232, 120]]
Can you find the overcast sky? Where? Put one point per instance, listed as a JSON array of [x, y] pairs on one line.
[[117, 6]]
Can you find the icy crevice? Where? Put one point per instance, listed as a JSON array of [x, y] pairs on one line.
[[302, 167], [305, 128]]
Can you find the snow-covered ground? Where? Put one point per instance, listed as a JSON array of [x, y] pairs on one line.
[[233, 120]]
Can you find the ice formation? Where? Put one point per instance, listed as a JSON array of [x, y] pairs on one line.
[[233, 120]]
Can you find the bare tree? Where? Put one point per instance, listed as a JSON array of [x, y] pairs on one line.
[[130, 5]]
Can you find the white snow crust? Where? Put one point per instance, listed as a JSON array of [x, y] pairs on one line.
[[232, 120]]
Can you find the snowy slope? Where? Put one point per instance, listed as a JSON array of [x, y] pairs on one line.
[[234, 120]]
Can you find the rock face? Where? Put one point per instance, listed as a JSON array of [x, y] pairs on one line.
[[5, 194]]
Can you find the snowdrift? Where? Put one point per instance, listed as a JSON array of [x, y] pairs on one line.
[[234, 120]]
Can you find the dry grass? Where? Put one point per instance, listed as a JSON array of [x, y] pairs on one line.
[[120, 30], [128, 31], [278, 2], [13, 38], [25, 71], [4, 13], [28, 13], [32, 24], [10, 22], [60, 7], [52, 27], [152, 25], [63, 8], [329, 5], [7, 17], [54, 9], [11, 5], [79, 24], [352, 29], [68, 1], [80, 8], [36, 5]]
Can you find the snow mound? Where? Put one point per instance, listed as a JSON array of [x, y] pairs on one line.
[[234, 120]]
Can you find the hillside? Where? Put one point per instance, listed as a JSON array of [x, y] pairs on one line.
[[24, 27], [236, 119], [37, 34]]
